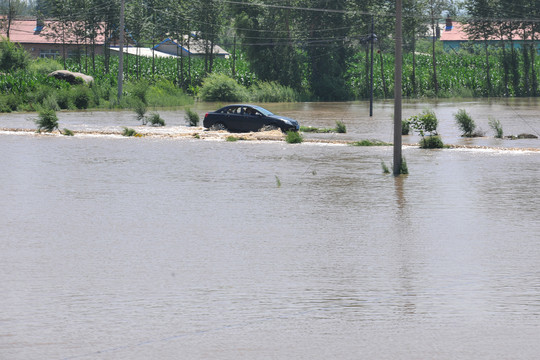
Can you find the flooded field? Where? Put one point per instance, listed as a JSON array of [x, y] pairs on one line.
[[167, 248]]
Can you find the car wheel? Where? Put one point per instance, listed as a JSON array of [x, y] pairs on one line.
[[218, 127]]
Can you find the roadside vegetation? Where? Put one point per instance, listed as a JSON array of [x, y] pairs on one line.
[[426, 124]]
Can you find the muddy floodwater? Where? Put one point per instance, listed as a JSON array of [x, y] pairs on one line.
[[184, 248]]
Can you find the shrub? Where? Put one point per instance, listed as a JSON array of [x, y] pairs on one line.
[[164, 93], [272, 92], [156, 120], [47, 120], [294, 137], [138, 90], [81, 97], [140, 109], [50, 102], [425, 123], [44, 66], [67, 132], [496, 125], [405, 127], [63, 99], [431, 142], [12, 56], [191, 117], [340, 127], [220, 87], [465, 123], [129, 132]]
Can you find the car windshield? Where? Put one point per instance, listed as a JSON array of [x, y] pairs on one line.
[[263, 111]]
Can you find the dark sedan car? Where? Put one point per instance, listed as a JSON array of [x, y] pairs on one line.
[[246, 118]]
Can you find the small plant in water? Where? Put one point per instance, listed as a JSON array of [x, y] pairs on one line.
[[231, 138], [191, 117], [426, 124], [403, 169], [385, 168], [140, 111], [465, 122], [278, 182], [67, 132], [129, 132], [47, 120], [156, 120], [294, 137], [370, 143], [496, 125], [405, 127], [340, 127]]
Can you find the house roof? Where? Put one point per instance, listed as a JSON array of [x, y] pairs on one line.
[[455, 31], [196, 46], [30, 32]]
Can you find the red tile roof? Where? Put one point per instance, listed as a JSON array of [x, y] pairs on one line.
[[457, 33], [25, 32]]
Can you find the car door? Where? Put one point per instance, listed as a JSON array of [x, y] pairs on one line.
[[256, 119], [232, 118]]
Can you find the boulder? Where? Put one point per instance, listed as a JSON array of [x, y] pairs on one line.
[[72, 77]]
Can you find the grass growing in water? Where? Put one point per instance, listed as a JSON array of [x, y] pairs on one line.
[[47, 120], [278, 182], [496, 125], [294, 137], [67, 132], [340, 127], [130, 132], [191, 117], [431, 142], [385, 168], [370, 143], [156, 120], [465, 123]]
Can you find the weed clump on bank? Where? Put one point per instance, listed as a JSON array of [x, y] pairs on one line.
[[294, 137]]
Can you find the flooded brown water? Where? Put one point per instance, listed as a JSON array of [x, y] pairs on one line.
[[168, 248]]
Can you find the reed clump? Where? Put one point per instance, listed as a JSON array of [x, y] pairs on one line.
[[294, 137]]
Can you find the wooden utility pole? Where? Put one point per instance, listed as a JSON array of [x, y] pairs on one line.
[[121, 52], [397, 90]]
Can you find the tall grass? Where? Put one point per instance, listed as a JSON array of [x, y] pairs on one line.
[[465, 123]]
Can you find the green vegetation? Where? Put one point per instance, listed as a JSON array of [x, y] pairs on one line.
[[68, 132], [496, 126], [370, 143], [385, 168], [231, 138], [294, 137], [426, 125], [220, 87], [278, 182], [46, 121], [465, 123], [340, 128], [431, 142], [129, 132], [403, 169], [155, 120], [405, 127], [191, 117]]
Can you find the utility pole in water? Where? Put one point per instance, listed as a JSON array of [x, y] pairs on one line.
[[121, 52], [397, 91], [372, 40]]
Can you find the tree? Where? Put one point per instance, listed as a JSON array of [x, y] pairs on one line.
[[480, 26], [11, 9]]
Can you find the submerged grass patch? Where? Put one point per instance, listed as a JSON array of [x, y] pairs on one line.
[[370, 143], [294, 137]]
